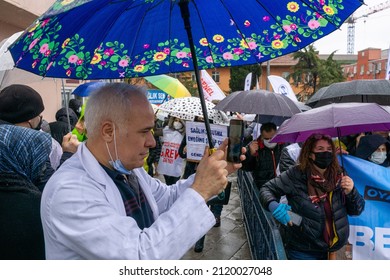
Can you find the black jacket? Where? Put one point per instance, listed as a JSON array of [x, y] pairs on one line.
[[263, 164], [21, 234], [309, 235], [190, 167], [60, 127]]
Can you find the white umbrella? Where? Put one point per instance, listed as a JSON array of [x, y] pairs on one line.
[[8, 74], [6, 61], [187, 108]]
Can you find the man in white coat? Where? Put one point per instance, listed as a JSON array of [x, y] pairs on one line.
[[92, 208]]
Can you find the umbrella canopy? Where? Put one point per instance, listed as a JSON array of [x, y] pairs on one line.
[[86, 39], [269, 106], [169, 85], [335, 120], [6, 60], [367, 91], [85, 89], [8, 74], [116, 39], [187, 108]]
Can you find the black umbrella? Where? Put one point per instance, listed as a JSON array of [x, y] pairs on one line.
[[269, 106], [365, 91]]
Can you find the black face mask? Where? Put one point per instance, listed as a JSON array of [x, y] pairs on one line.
[[323, 159], [39, 126]]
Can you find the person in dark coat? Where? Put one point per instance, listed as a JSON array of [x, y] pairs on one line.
[[374, 148], [76, 105], [21, 105], [60, 127], [262, 157], [316, 190], [23, 155]]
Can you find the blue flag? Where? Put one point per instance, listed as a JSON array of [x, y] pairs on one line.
[[370, 232]]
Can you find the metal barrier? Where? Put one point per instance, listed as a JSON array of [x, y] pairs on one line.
[[265, 241]]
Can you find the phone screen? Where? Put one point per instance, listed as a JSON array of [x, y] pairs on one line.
[[236, 133]]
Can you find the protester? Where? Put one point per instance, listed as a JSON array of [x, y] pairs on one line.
[[154, 153], [374, 148], [62, 126], [316, 190], [170, 164], [76, 106], [22, 161], [289, 157], [263, 156], [101, 203], [22, 106]]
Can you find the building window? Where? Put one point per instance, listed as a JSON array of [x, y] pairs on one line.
[[215, 76], [362, 53], [354, 69], [361, 70], [379, 66]]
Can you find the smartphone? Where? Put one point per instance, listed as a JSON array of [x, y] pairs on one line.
[[236, 138], [295, 218]]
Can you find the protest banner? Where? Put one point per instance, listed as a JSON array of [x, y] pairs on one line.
[[196, 138]]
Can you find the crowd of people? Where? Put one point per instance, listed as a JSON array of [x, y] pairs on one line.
[[88, 195], [93, 199]]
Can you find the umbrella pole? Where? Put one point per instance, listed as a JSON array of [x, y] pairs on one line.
[[185, 13], [341, 153], [66, 96]]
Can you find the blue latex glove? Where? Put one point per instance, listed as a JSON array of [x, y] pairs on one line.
[[280, 213]]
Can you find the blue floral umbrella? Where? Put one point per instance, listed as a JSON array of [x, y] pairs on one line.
[[110, 39]]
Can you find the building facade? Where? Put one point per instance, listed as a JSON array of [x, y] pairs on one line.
[[371, 64]]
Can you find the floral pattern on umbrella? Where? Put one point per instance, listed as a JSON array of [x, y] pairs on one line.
[[52, 48]]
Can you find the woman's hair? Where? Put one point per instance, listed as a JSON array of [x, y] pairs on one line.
[[109, 102], [304, 160]]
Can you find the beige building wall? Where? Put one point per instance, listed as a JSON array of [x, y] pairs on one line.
[[15, 16]]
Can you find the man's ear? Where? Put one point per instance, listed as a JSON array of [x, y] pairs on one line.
[[107, 131]]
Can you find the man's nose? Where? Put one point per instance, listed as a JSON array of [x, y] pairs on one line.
[[150, 141]]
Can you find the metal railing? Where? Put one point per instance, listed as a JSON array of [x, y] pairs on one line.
[[265, 241]]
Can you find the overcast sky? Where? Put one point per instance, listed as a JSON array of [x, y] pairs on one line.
[[373, 31]]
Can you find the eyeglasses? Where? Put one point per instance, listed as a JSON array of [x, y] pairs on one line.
[[319, 136]]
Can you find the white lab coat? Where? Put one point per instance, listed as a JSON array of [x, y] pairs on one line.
[[83, 215]]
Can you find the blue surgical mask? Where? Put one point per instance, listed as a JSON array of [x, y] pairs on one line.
[[378, 157], [117, 164]]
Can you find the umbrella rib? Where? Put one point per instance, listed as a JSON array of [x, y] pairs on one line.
[[204, 32], [129, 7], [106, 33], [324, 15], [240, 32], [87, 20]]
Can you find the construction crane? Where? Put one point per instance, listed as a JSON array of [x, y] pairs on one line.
[[351, 23]]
